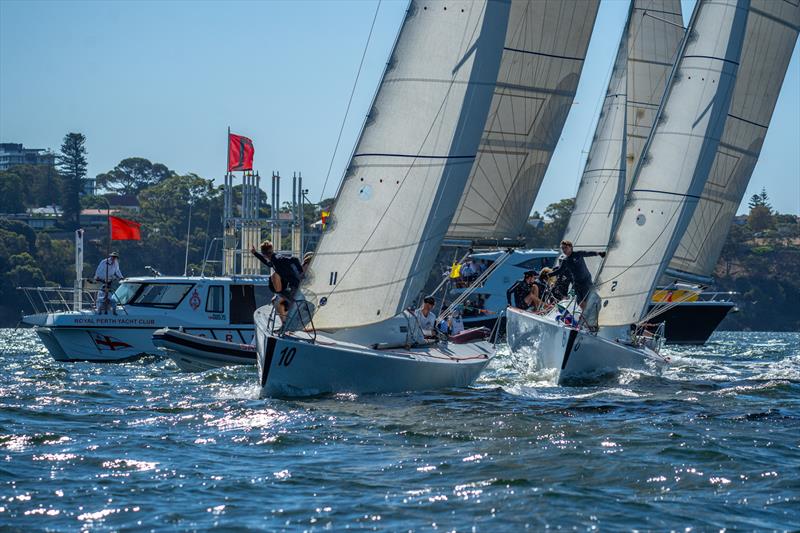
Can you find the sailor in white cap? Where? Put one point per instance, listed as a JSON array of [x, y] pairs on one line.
[[107, 272]]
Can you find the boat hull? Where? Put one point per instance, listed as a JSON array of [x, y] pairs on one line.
[[75, 337], [296, 368], [193, 353], [97, 346], [693, 322], [575, 355]]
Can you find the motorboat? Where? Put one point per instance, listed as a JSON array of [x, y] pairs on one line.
[[217, 308], [197, 353]]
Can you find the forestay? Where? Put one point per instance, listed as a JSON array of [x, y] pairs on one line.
[[677, 159], [410, 164], [770, 38], [545, 46], [646, 53]]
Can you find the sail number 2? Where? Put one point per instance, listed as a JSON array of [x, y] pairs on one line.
[[287, 356]]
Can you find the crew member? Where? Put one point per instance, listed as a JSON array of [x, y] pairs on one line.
[[573, 262], [426, 317], [525, 294], [286, 275], [107, 272]]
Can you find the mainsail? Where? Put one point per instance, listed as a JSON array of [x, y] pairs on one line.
[[410, 164], [771, 34], [646, 54], [545, 46], [677, 158]]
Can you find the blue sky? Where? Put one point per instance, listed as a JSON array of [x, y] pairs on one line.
[[164, 80]]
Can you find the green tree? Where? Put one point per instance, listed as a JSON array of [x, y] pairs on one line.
[[72, 166], [765, 199], [12, 194], [556, 217], [133, 175], [760, 218]]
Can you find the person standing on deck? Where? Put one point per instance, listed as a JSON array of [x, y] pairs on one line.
[[573, 262], [107, 272], [286, 275]]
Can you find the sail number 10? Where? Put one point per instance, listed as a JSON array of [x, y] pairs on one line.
[[287, 356]]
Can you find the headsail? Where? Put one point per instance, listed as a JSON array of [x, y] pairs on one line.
[[677, 159], [411, 163], [545, 46], [770, 38], [646, 54]]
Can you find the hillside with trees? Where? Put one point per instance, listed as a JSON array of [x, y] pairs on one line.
[[760, 260]]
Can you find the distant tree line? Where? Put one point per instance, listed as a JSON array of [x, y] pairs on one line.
[[31, 258]]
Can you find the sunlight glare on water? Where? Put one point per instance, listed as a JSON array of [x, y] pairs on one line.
[[710, 442]]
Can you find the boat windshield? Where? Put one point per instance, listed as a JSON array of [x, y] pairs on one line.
[[125, 292], [167, 295]]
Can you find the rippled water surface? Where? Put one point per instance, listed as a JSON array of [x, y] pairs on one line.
[[712, 442]]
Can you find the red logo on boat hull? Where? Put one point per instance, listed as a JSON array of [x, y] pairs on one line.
[[104, 342]]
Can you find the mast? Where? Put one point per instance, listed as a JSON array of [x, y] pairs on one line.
[[677, 159]]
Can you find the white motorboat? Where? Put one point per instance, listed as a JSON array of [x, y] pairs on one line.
[[213, 307], [196, 353], [641, 224]]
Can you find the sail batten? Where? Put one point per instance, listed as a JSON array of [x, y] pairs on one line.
[[676, 160], [543, 56]]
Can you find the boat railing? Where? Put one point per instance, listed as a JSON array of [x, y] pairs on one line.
[[300, 318], [47, 300], [717, 296]]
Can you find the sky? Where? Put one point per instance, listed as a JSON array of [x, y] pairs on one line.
[[164, 80]]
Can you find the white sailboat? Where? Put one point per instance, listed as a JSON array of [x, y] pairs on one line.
[[390, 216], [681, 145]]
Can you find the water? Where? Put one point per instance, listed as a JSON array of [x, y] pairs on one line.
[[713, 442]]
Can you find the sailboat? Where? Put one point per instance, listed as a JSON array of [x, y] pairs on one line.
[[645, 231], [390, 215]]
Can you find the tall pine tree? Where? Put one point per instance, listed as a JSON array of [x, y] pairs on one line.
[[72, 167]]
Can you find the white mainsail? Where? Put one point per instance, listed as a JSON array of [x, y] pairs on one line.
[[677, 158], [411, 163], [770, 38], [646, 54], [545, 46]]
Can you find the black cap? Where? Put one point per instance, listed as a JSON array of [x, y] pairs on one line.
[[429, 300], [530, 274]]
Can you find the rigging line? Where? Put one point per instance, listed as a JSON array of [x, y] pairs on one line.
[[410, 167], [350, 101]]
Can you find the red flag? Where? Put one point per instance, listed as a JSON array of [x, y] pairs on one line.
[[240, 153], [124, 230]]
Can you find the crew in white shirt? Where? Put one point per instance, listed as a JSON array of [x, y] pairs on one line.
[[107, 272], [426, 317]]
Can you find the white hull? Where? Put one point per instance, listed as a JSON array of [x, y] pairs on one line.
[[574, 354], [291, 366], [193, 353], [68, 343]]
